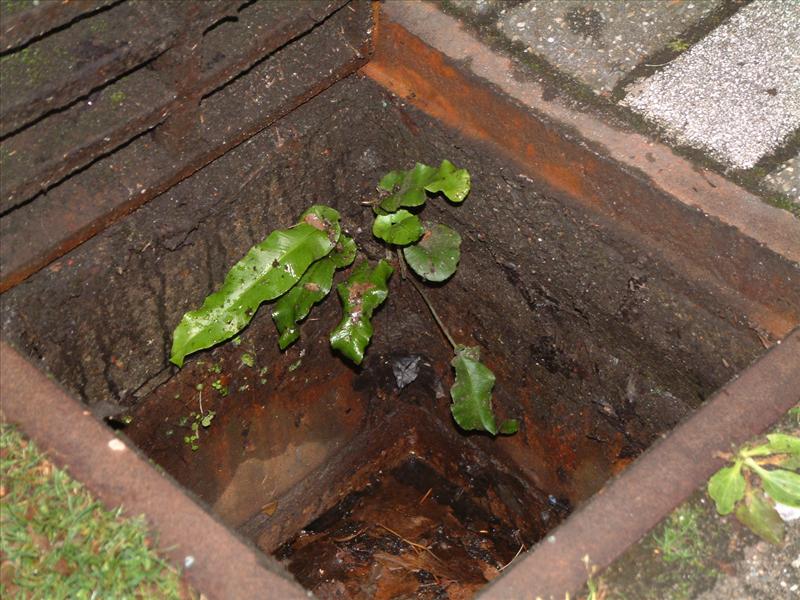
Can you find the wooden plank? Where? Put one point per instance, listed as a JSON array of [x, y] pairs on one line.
[[41, 155], [21, 22], [55, 71], [39, 232]]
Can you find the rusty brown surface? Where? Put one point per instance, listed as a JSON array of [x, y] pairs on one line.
[[41, 155], [56, 70], [766, 285], [223, 566], [628, 507], [39, 232], [23, 25]]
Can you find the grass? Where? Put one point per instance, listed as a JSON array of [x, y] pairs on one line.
[[679, 540], [56, 541]]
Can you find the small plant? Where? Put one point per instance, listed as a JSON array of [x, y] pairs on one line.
[[679, 541], [200, 420], [759, 477], [678, 45], [295, 267]]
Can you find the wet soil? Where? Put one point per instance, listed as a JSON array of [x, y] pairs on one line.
[[598, 348], [410, 533]]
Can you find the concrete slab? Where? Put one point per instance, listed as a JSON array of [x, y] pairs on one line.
[[736, 94], [600, 41], [786, 179]]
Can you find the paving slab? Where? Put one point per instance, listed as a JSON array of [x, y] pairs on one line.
[[736, 94], [786, 179], [600, 41]]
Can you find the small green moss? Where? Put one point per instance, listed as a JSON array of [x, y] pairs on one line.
[[678, 45], [117, 97], [785, 202], [248, 360], [220, 387]]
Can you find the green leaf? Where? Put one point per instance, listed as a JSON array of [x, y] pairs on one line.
[[759, 515], [344, 253], [472, 391], [295, 304], [266, 272], [363, 292], [726, 487], [452, 182], [509, 427], [782, 486], [409, 187], [314, 285], [398, 228], [791, 462], [435, 257], [206, 420], [781, 443]]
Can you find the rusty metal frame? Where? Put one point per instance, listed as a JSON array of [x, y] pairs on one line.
[[222, 565], [226, 567], [658, 481]]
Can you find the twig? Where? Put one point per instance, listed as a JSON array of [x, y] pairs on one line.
[[352, 536], [403, 268], [409, 542], [425, 497], [201, 402], [521, 548], [429, 305]]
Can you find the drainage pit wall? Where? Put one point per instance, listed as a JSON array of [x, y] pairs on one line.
[[600, 345]]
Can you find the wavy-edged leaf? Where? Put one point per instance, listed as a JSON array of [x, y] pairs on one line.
[[408, 188], [782, 443], [758, 514], [782, 486], [314, 285], [435, 257], [472, 391], [726, 487], [294, 305], [451, 181], [778, 443], [266, 272], [363, 292], [398, 228], [344, 253]]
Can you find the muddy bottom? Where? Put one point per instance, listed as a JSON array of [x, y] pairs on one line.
[[410, 533]]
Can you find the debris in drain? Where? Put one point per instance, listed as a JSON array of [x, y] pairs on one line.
[[405, 369], [409, 533]]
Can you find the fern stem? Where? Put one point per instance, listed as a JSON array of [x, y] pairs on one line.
[[427, 302]]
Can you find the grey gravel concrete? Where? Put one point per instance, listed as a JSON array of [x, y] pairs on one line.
[[736, 94], [786, 179], [599, 41], [765, 572]]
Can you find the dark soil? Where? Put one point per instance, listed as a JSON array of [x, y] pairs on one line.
[[409, 533], [598, 349]]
